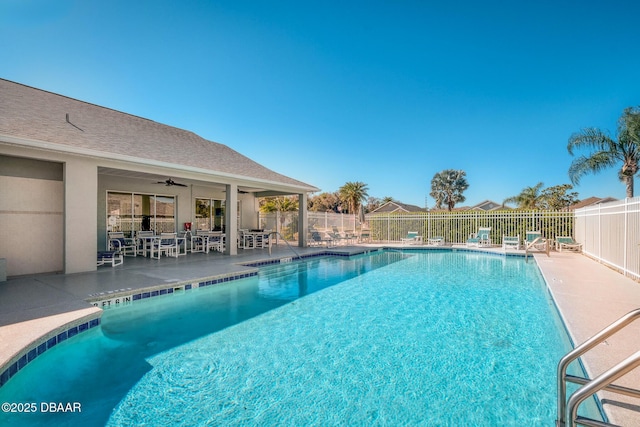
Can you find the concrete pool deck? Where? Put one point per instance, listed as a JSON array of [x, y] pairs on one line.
[[588, 295]]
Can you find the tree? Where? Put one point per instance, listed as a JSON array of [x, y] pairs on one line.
[[529, 197], [556, 197], [353, 194], [281, 204], [324, 202], [535, 197], [447, 188], [607, 152]]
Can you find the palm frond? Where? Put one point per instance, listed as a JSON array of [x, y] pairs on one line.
[[590, 138]]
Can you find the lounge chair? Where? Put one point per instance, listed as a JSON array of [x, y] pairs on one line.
[[110, 257], [480, 239], [413, 238], [567, 242], [337, 237], [435, 241], [342, 236], [364, 236], [510, 242], [318, 240], [534, 240], [124, 245]]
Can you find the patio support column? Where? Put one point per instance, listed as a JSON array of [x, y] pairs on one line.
[[231, 220], [303, 223], [80, 216]]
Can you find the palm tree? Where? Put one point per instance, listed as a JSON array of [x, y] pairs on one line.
[[529, 197], [607, 151], [281, 204], [353, 194], [447, 188]]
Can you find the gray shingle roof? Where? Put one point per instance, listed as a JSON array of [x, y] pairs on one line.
[[31, 113]]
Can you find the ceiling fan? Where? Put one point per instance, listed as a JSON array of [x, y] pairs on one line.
[[170, 182]]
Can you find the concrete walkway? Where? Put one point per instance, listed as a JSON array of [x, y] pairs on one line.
[[589, 296]]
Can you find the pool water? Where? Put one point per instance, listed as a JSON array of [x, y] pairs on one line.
[[433, 338]]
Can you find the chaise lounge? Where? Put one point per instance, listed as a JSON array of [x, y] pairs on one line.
[[567, 243], [480, 239], [511, 242], [413, 238]]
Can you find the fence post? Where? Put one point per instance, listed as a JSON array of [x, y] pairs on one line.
[[624, 241]]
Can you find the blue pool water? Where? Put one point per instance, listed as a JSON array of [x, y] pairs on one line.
[[433, 338]]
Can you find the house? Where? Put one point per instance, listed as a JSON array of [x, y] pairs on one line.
[[590, 201], [71, 171], [487, 205], [397, 207]]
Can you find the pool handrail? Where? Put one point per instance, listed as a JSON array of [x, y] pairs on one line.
[[277, 234], [602, 382]]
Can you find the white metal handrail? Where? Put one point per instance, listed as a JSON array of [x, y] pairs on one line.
[[275, 233], [602, 382], [536, 242]]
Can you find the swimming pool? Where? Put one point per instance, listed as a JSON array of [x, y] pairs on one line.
[[426, 338]]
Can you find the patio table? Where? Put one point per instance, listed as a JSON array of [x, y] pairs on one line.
[[148, 244]]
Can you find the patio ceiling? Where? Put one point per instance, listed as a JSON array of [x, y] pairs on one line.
[[155, 178]]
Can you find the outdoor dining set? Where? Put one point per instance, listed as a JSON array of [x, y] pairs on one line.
[[152, 245]]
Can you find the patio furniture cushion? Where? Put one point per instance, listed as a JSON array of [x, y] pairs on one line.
[[110, 257]]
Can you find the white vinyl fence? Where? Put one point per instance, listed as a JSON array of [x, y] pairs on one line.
[[610, 233]]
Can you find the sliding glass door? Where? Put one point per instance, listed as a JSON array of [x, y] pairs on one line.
[[132, 212], [209, 214]]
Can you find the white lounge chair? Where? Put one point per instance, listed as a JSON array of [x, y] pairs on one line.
[[413, 238], [567, 243], [510, 242], [435, 241], [534, 240], [480, 239]]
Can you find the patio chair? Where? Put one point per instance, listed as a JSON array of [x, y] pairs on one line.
[[124, 245], [435, 241], [567, 243], [510, 242], [167, 244], [215, 241], [413, 238], [534, 240], [480, 239]]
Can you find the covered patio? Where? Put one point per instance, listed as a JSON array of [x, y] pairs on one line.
[[72, 171]]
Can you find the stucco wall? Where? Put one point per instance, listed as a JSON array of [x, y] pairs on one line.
[[31, 225]]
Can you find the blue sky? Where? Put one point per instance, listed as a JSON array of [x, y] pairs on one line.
[[384, 92]]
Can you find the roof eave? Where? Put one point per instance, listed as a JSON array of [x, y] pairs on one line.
[[49, 146]]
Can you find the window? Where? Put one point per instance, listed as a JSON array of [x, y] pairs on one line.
[[209, 214], [131, 212]]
